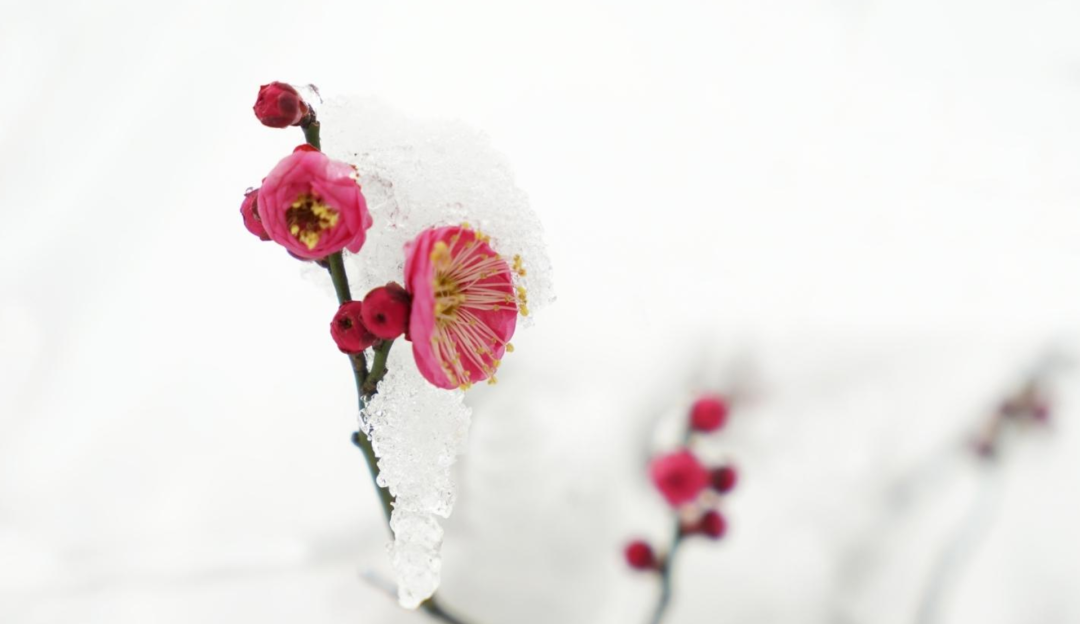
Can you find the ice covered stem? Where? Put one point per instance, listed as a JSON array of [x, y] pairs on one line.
[[362, 376], [366, 387], [417, 431]]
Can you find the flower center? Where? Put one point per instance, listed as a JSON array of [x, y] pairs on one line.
[[448, 298], [308, 218]]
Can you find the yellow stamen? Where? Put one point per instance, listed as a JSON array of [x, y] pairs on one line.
[[440, 256], [308, 218]]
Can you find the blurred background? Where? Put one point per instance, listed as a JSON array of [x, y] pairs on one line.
[[860, 213]]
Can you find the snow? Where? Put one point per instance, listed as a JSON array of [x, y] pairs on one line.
[[419, 174], [417, 431]]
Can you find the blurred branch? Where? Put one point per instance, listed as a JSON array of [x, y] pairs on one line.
[[957, 551], [430, 606], [1026, 405], [668, 565], [905, 495], [665, 575]]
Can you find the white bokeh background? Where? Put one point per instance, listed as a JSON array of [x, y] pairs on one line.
[[864, 211]]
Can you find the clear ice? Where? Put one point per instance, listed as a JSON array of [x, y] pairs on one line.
[[417, 431], [416, 175]]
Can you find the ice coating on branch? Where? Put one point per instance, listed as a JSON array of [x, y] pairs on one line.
[[419, 174], [417, 431]]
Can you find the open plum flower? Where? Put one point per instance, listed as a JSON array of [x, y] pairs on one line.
[[679, 477], [464, 306], [312, 206]]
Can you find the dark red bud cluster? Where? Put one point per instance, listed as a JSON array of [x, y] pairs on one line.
[[382, 315]]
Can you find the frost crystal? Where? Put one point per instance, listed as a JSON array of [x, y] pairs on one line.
[[417, 175], [418, 431]]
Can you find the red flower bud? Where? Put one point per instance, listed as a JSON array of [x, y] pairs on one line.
[[386, 311], [679, 476], [348, 329], [712, 525], [708, 413], [984, 448], [723, 479], [251, 216], [279, 105], [640, 556]]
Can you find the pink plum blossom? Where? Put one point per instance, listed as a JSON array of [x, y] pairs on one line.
[[464, 306], [312, 206], [679, 477]]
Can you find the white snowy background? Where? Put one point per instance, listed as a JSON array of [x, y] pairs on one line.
[[864, 211]]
